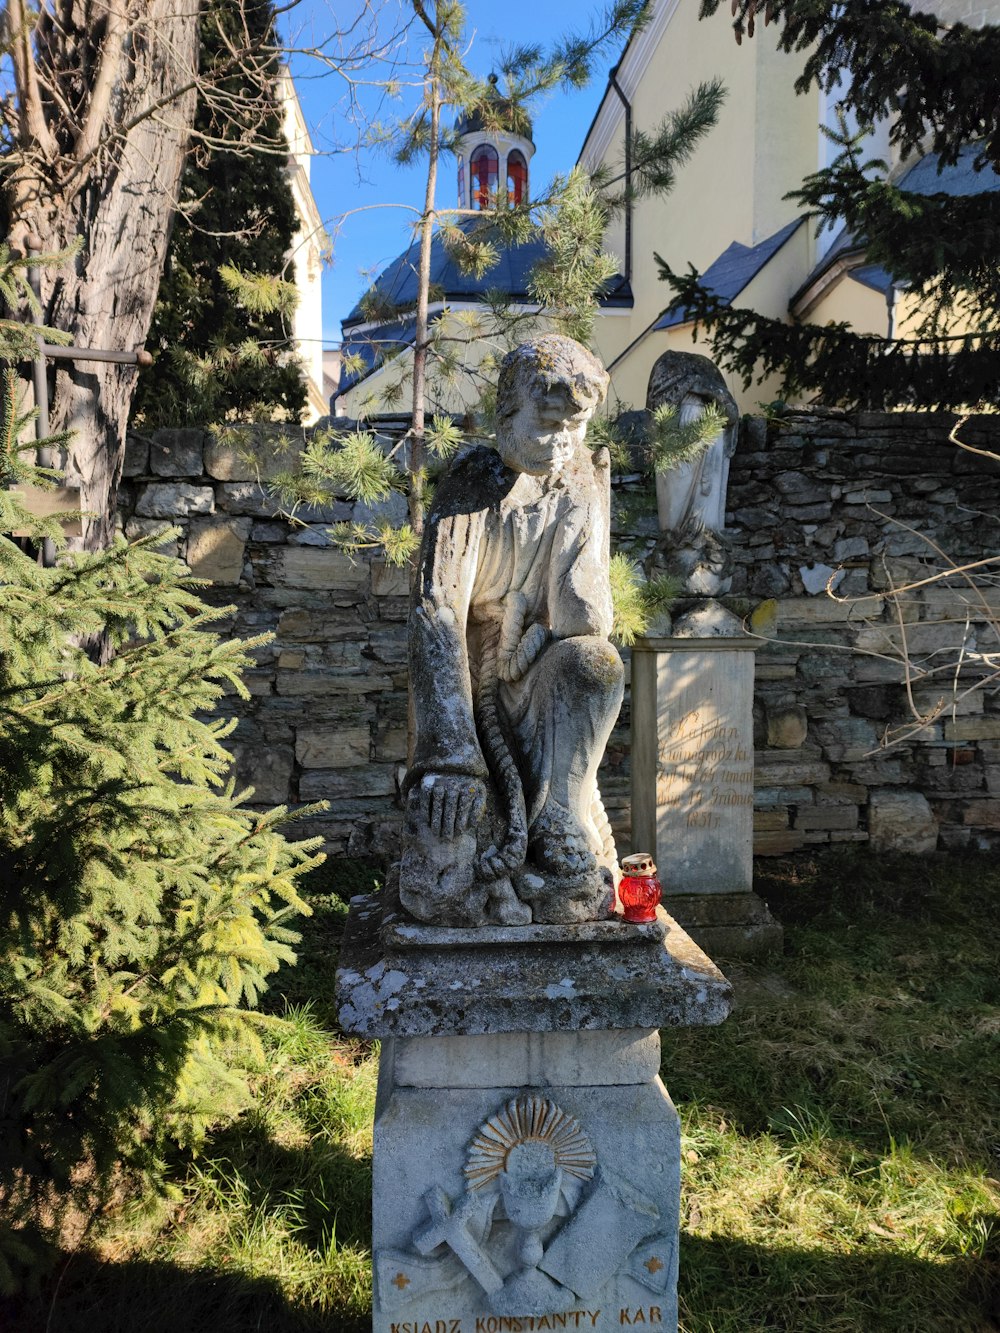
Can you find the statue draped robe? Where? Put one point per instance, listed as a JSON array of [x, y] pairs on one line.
[[515, 567]]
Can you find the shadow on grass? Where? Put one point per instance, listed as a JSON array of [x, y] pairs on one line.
[[729, 1286], [320, 1192], [88, 1296], [318, 1196], [725, 1287], [328, 890], [877, 1030]]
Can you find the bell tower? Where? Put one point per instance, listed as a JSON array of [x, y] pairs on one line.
[[489, 159]]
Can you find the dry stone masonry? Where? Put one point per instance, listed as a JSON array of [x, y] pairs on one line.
[[327, 716], [812, 497], [867, 503]]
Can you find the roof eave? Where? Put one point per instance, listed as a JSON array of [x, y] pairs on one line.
[[815, 287]]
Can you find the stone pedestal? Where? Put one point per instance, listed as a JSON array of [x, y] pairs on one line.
[[526, 1157], [692, 786]]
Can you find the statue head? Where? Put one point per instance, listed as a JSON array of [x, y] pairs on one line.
[[548, 390]]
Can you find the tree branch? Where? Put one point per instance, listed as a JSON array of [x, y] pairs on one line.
[[32, 112], [108, 73], [424, 17]]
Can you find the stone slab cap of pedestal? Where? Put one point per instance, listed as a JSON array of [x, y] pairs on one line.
[[708, 620], [572, 980]]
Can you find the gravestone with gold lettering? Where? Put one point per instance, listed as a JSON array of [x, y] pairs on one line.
[[526, 1163]]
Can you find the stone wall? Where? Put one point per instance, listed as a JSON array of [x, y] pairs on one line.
[[810, 496], [870, 503], [326, 719]]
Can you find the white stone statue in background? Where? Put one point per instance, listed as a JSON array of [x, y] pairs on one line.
[[515, 685], [691, 498]]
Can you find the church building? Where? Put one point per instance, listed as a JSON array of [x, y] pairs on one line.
[[377, 348], [728, 216]]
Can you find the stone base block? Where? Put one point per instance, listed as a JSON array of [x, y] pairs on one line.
[[589, 976], [526, 1165], [510, 1209], [730, 925]]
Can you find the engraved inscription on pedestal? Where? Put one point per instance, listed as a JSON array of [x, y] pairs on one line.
[[705, 769], [540, 1227]]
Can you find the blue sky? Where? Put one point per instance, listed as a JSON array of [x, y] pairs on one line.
[[345, 181]]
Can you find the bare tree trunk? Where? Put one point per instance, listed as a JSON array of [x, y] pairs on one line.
[[107, 97], [418, 451]]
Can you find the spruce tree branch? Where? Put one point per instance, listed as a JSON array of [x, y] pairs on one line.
[[949, 71]]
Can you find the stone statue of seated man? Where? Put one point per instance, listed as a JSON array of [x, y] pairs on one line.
[[515, 685]]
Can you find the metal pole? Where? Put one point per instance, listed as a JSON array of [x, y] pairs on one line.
[[43, 455], [613, 81], [40, 376], [54, 352]]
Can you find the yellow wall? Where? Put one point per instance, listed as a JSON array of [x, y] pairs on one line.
[[847, 299], [975, 13], [731, 190]]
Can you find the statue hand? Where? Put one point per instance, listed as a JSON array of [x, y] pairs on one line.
[[451, 802]]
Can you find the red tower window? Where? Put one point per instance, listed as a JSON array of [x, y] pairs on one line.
[[517, 177], [485, 171]]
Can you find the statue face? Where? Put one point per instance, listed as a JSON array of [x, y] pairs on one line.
[[542, 435]]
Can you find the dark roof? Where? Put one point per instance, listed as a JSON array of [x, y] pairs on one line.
[[470, 121], [617, 294], [734, 269], [373, 348], [873, 276], [922, 178], [957, 179], [397, 284]]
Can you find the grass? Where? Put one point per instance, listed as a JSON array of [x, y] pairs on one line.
[[841, 1130], [840, 1135]]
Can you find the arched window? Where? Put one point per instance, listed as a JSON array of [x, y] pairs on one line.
[[517, 177], [461, 181], [485, 169]]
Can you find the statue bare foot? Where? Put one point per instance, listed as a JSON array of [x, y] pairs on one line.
[[558, 843], [504, 906]]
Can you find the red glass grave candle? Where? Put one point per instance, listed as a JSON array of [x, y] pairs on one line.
[[639, 890]]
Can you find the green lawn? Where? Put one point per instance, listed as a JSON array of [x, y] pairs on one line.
[[840, 1145]]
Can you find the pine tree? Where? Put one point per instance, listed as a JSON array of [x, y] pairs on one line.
[[217, 351], [142, 907], [939, 85]]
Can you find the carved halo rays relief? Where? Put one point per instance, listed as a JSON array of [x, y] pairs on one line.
[[529, 1120]]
